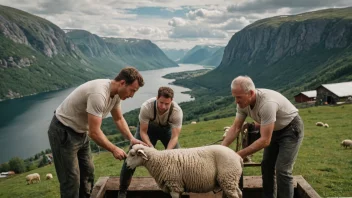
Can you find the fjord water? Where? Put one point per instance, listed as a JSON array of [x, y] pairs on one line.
[[24, 122]]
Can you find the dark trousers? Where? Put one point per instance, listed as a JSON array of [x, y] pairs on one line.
[[155, 133], [72, 159], [280, 157]]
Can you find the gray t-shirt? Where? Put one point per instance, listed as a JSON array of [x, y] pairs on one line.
[[270, 106], [91, 97], [147, 114]]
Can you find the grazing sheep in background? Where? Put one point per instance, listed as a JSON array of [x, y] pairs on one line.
[[346, 143], [196, 170], [326, 125], [32, 177], [319, 124], [193, 122], [49, 176], [226, 129]]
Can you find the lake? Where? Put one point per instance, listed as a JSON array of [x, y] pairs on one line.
[[24, 122]]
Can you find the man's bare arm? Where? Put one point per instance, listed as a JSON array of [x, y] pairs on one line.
[[233, 131], [264, 141], [122, 125], [174, 138], [97, 135], [143, 131]]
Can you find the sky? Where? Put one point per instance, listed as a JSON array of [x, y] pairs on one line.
[[170, 24]]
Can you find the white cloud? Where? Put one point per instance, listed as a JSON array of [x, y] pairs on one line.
[[180, 23], [204, 13], [176, 21], [234, 24]]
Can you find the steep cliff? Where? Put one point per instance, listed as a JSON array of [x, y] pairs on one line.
[[37, 56], [113, 52], [288, 52]]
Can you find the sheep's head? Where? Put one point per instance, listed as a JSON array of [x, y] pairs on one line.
[[136, 156]]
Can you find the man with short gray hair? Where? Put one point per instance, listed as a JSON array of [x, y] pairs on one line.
[[281, 130]]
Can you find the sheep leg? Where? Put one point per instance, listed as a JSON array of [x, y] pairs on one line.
[[230, 188], [233, 193]]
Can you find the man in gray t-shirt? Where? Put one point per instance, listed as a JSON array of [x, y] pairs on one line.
[[78, 118], [160, 118], [281, 131]]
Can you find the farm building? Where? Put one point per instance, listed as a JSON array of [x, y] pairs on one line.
[[334, 93], [306, 96]]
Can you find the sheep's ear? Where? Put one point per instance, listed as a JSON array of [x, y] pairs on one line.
[[141, 153]]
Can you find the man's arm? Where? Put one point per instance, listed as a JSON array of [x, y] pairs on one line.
[[143, 131], [99, 137], [174, 138], [264, 141], [233, 131], [121, 124]]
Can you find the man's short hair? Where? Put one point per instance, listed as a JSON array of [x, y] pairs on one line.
[[166, 92], [130, 74], [245, 82]]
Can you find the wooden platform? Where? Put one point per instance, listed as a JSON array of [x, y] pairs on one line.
[[107, 187]]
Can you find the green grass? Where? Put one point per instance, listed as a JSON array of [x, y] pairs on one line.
[[322, 161]]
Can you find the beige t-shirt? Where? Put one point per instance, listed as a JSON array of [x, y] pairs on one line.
[[146, 114], [270, 106], [91, 97]]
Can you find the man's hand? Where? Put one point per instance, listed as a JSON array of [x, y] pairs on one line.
[[135, 141], [119, 153]]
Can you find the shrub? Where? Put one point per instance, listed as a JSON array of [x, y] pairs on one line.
[[17, 165]]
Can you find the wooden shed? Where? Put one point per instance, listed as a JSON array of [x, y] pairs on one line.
[[306, 96], [333, 93]]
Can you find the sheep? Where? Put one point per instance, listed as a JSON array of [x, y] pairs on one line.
[[346, 143], [193, 122], [196, 170], [226, 129], [49, 176], [326, 125], [32, 177], [319, 124]]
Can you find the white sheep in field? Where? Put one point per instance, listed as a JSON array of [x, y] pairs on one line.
[[197, 170], [326, 125], [346, 143], [226, 129], [49, 176], [32, 177], [319, 124]]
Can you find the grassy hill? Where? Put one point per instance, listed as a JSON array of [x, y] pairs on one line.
[[321, 160]]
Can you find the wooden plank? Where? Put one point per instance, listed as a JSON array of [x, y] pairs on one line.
[[304, 189], [99, 187], [252, 186], [251, 164], [137, 183]]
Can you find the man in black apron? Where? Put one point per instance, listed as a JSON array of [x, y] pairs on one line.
[[159, 119]]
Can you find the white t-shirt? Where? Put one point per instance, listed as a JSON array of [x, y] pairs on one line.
[[91, 97], [147, 114], [270, 106]]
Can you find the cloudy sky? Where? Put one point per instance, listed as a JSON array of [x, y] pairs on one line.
[[173, 24]]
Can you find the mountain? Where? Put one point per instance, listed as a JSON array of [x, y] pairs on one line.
[[290, 53], [37, 56], [215, 58], [200, 54], [140, 53], [175, 54]]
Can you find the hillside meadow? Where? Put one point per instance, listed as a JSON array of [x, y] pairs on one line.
[[322, 161]]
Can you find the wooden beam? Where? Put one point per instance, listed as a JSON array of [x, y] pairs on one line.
[[99, 187]]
